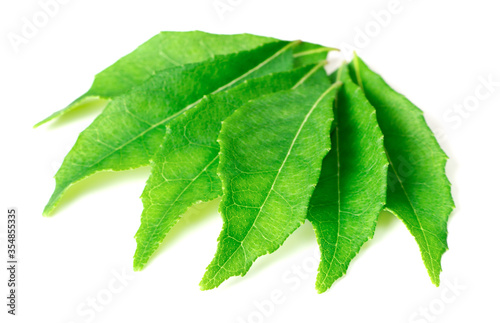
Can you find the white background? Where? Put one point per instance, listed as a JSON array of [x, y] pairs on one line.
[[435, 52]]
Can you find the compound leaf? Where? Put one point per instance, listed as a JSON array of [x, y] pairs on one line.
[[229, 115]]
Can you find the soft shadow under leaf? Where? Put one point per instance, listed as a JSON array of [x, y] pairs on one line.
[[91, 107], [100, 181]]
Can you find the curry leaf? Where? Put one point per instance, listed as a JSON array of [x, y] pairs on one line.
[[229, 115], [184, 170], [351, 190], [270, 161], [165, 50], [131, 128], [418, 189]]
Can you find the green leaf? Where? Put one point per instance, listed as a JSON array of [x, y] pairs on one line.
[[163, 51], [418, 190], [131, 128], [227, 115], [270, 161], [352, 187], [184, 170]]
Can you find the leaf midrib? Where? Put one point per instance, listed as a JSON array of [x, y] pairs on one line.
[[337, 128]]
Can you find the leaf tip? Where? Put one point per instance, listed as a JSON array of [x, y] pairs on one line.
[[205, 284], [436, 280], [320, 289], [139, 263], [38, 124], [320, 285], [46, 214], [47, 211]]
